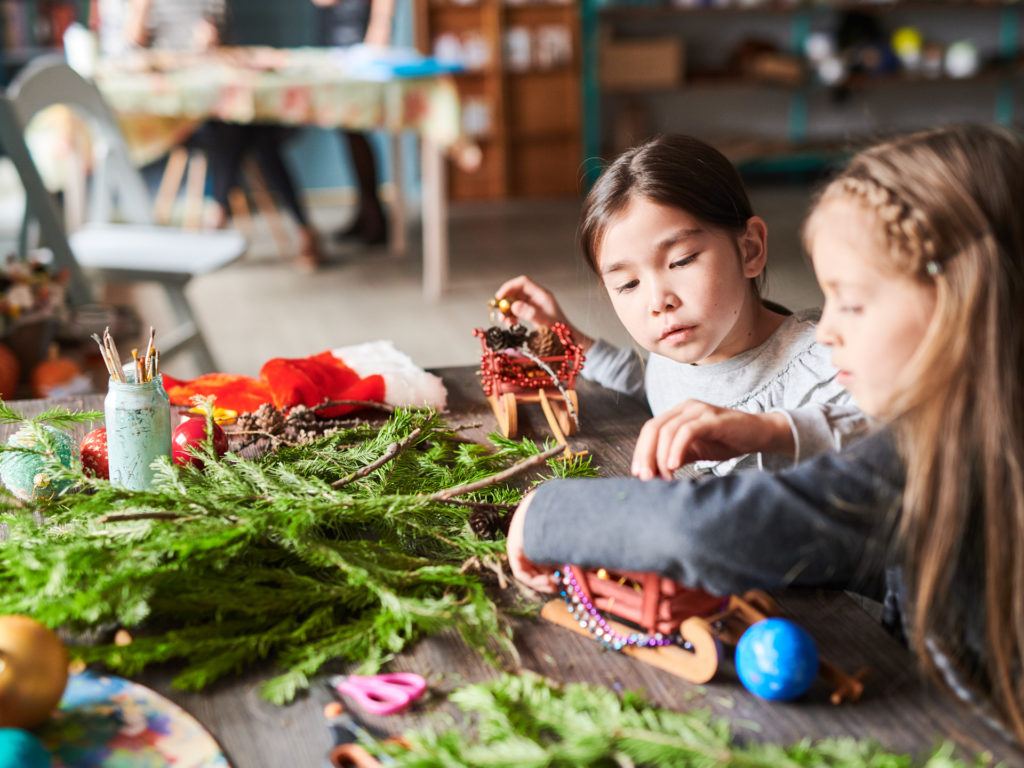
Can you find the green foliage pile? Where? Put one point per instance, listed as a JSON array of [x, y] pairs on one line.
[[265, 558], [526, 722]]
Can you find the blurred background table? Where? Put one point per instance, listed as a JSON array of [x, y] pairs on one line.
[[160, 96]]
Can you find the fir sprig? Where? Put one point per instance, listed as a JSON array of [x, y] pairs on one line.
[[264, 558], [58, 417], [526, 721]]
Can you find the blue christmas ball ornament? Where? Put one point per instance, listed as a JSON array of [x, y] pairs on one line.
[[21, 749], [776, 660], [24, 474]]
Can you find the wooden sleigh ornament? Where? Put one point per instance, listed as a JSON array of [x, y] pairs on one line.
[[671, 627], [536, 367]]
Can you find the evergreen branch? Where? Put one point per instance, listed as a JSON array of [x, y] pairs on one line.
[[357, 572], [9, 414], [62, 417], [500, 477], [522, 720], [392, 450]]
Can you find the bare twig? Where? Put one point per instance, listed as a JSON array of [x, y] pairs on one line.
[[361, 403], [505, 474], [120, 517], [485, 504], [392, 450]]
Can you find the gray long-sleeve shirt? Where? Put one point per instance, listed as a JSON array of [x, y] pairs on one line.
[[790, 373]]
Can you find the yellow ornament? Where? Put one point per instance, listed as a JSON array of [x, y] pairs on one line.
[[33, 671]]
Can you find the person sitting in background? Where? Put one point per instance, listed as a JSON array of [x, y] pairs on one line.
[[344, 23], [200, 25]]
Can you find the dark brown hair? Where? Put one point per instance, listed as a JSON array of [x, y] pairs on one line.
[[673, 170]]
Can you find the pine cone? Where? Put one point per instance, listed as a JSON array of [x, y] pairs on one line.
[[301, 416], [496, 338], [517, 335], [269, 419], [487, 522], [246, 422], [544, 342]]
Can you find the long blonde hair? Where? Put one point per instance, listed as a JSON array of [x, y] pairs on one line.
[[951, 204]]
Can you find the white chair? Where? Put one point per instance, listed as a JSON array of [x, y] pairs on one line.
[[131, 249]]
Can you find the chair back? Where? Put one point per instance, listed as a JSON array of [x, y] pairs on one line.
[[116, 184], [40, 203]]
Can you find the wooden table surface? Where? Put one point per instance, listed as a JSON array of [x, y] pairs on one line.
[[897, 709]]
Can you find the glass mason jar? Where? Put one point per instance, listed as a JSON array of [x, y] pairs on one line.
[[138, 421]]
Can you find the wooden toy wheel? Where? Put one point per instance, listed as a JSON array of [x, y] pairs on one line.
[[504, 407]]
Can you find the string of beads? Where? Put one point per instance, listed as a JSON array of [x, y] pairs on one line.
[[580, 606]]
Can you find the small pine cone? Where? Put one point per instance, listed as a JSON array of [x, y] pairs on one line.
[[301, 416], [496, 338], [246, 422], [544, 342], [517, 335], [487, 522], [269, 419]]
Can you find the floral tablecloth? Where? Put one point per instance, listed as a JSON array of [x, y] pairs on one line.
[[160, 96]]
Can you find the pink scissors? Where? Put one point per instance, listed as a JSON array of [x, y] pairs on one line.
[[382, 694]]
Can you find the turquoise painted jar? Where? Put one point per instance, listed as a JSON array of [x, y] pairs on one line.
[[138, 421]]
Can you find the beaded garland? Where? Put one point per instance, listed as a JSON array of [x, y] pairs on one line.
[[580, 606]]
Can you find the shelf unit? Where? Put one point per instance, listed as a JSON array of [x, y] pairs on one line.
[[802, 100], [29, 28], [520, 92]]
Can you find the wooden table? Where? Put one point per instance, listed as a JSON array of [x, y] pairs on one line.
[[897, 709]]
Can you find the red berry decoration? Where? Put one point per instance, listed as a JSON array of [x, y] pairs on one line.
[[93, 450], [192, 433]]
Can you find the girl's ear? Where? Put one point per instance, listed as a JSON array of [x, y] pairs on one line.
[[754, 246]]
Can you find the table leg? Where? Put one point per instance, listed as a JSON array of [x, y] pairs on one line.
[[399, 245], [435, 220]]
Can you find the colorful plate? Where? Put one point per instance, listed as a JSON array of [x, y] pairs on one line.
[[109, 722]]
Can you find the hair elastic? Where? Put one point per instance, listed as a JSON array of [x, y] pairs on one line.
[[933, 268]]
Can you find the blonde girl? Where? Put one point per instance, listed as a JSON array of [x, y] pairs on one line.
[[670, 231], [919, 249]]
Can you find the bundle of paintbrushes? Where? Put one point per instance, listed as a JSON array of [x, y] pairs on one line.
[[146, 366]]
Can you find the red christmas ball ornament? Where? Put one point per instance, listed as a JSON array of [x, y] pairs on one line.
[[192, 432], [93, 450]]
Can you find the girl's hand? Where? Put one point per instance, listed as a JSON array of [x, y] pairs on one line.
[[694, 431], [537, 305], [538, 577]]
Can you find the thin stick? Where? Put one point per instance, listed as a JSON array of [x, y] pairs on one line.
[[148, 363], [364, 403], [483, 504], [512, 471], [119, 517], [116, 356], [392, 450], [104, 355]]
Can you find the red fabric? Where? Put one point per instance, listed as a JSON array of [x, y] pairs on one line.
[[285, 383]]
